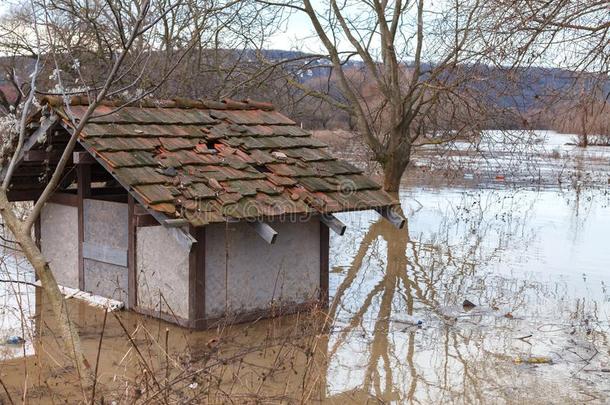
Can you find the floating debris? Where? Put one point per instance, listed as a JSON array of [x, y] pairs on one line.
[[91, 299], [534, 360], [468, 305], [411, 320], [14, 340]]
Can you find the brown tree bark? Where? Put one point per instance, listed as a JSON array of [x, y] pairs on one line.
[[49, 285], [396, 105], [393, 170]]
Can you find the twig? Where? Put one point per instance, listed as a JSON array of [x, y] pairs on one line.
[[166, 366], [8, 395], [97, 360], [133, 344], [524, 337], [19, 282]]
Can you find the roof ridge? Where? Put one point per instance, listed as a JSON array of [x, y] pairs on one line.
[[177, 102]]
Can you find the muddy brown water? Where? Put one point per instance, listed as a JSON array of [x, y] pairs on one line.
[[534, 261]]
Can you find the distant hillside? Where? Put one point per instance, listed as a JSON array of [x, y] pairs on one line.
[[525, 91], [522, 88]]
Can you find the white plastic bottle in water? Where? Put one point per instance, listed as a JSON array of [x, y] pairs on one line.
[[411, 320]]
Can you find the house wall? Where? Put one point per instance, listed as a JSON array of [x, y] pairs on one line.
[[105, 248], [243, 273], [59, 241], [162, 267]]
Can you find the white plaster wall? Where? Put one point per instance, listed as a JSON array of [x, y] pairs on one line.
[[59, 242], [163, 268], [106, 224], [258, 273]]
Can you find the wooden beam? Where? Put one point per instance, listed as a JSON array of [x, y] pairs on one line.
[[23, 195], [145, 220], [139, 210], [83, 158], [30, 170], [395, 219], [264, 230], [122, 198], [64, 199], [83, 174], [83, 178], [42, 156], [196, 280], [324, 256], [38, 136], [108, 191], [132, 288], [333, 223], [175, 223]]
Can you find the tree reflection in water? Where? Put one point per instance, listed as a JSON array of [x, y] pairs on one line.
[[534, 262], [486, 246]]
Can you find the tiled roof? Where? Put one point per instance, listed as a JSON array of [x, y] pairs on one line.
[[209, 161]]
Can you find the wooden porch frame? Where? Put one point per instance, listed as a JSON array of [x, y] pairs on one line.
[[83, 179], [68, 199], [132, 288], [197, 279], [324, 256]]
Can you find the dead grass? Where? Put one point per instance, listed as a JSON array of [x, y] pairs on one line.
[[145, 360]]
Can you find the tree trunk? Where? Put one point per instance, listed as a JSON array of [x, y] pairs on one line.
[[393, 169], [49, 286]]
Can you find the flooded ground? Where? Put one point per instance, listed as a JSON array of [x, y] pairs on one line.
[[531, 256], [534, 262]]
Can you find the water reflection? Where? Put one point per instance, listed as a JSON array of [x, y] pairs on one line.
[[17, 304], [514, 254], [533, 261]]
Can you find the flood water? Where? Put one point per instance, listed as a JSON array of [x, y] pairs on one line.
[[535, 264], [533, 260]]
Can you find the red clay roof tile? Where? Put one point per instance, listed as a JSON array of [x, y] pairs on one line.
[[206, 161]]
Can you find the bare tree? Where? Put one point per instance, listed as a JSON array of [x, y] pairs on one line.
[[413, 88], [566, 33], [575, 36], [22, 230], [99, 50]]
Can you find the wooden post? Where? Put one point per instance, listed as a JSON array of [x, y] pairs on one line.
[[324, 248], [197, 279], [82, 157], [83, 177], [132, 290]]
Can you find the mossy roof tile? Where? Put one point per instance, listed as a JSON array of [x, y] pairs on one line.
[[207, 161]]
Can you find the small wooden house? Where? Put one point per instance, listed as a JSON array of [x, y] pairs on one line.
[[188, 210]]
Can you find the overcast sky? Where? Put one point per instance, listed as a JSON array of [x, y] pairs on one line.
[[296, 34]]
